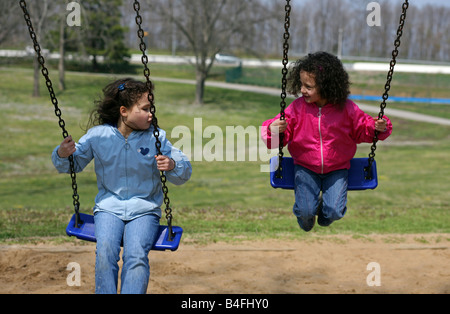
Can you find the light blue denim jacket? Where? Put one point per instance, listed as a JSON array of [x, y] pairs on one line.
[[128, 180]]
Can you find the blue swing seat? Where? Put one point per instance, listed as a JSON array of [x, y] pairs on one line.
[[356, 175], [86, 232]]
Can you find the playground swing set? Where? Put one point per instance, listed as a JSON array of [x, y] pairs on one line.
[[362, 174]]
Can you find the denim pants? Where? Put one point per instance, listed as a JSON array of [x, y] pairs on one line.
[[330, 207], [138, 237]]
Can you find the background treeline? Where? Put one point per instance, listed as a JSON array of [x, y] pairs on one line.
[[339, 26]]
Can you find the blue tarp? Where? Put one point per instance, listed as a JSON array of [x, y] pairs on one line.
[[402, 99]]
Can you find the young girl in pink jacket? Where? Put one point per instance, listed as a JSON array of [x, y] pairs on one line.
[[322, 129]]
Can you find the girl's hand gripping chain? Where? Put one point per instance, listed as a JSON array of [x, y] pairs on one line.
[[67, 147], [164, 163]]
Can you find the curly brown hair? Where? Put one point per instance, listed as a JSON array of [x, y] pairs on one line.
[[331, 78], [125, 92]]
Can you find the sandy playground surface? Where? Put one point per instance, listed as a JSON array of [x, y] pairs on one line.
[[326, 264]]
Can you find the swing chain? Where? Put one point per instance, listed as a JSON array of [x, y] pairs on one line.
[[151, 98], [390, 75], [286, 36], [62, 124]]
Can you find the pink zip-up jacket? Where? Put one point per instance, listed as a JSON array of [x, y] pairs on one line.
[[324, 139]]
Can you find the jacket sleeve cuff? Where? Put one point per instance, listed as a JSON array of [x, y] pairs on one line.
[[182, 171], [61, 164], [266, 134], [384, 135]]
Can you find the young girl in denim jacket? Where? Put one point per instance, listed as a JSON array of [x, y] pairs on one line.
[[322, 129], [128, 204]]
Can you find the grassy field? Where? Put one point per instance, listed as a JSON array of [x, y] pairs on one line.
[[227, 200]]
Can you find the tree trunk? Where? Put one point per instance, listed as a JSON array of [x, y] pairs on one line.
[[36, 66], [94, 63], [61, 65], [200, 89]]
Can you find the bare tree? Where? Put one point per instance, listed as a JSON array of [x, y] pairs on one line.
[[39, 13], [62, 54], [211, 26], [8, 19]]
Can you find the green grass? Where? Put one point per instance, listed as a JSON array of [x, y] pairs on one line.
[[223, 200]]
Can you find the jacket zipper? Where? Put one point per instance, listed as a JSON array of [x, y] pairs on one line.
[[321, 141], [127, 146]]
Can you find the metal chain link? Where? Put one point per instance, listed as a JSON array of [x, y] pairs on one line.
[[62, 124], [286, 36], [151, 98], [387, 87]]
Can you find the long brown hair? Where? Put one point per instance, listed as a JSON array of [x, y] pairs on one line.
[[125, 92]]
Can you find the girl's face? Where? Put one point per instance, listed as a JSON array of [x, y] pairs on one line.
[[310, 90], [139, 116]]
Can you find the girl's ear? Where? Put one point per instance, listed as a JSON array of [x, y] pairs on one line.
[[123, 111]]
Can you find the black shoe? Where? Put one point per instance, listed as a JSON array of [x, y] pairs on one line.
[[310, 225]]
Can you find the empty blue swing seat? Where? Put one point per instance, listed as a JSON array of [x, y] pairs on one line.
[[356, 175], [86, 232]]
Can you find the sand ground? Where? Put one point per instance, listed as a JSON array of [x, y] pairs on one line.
[[416, 264]]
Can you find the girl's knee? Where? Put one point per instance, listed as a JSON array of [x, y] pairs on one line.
[[107, 252]]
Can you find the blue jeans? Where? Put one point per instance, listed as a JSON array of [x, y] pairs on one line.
[[330, 207], [138, 237]]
